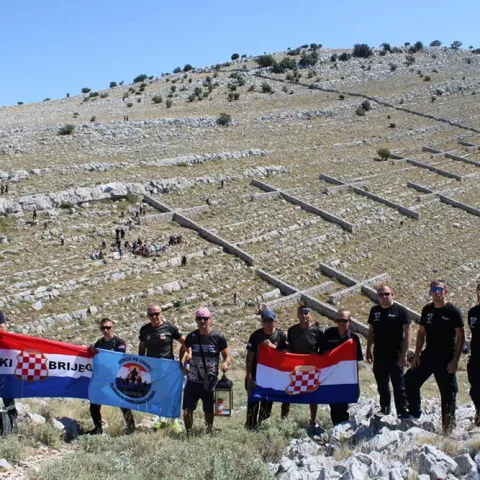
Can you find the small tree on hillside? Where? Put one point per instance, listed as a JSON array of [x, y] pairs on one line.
[[436, 43], [384, 153], [113, 84], [235, 56], [140, 78], [86, 90], [265, 60], [224, 120], [456, 45], [362, 50], [66, 130]]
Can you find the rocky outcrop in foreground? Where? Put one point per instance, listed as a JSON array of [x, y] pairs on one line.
[[369, 447]]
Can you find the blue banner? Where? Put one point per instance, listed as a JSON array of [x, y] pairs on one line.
[[147, 384]]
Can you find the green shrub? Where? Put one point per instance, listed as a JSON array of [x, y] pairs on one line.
[[294, 52], [75, 114], [251, 88], [93, 94], [177, 69], [235, 56], [131, 198], [198, 91], [130, 105], [113, 84], [224, 120], [343, 57], [308, 59], [386, 47], [436, 43], [409, 60], [360, 112], [427, 78], [233, 96], [362, 50], [104, 95], [384, 153], [86, 90], [392, 125], [341, 97], [334, 57], [157, 99], [47, 99], [393, 67], [140, 78], [456, 45], [366, 105], [265, 60], [67, 95], [67, 205], [67, 130], [93, 119], [169, 103], [192, 97], [266, 88], [187, 67]]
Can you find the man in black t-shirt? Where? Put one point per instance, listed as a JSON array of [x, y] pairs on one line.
[[156, 338], [305, 337], [332, 338], [441, 325], [473, 366], [9, 403], [203, 348], [390, 334], [274, 338], [109, 341]]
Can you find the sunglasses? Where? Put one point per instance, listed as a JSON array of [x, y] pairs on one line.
[[202, 319], [342, 321], [383, 294], [154, 314], [437, 289], [105, 328], [268, 320]]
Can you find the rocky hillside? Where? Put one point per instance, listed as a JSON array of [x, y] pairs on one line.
[[276, 179]]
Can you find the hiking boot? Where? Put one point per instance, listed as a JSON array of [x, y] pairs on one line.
[[129, 429]]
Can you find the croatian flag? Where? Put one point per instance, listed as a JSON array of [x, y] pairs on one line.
[[147, 384], [331, 377], [35, 367]]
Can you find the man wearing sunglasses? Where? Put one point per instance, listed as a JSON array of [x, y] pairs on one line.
[[305, 337], [390, 334], [473, 366], [109, 341], [273, 337], [332, 338], [204, 347], [441, 325], [156, 338]]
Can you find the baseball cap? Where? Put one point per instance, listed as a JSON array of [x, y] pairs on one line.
[[303, 309], [268, 314], [203, 312]]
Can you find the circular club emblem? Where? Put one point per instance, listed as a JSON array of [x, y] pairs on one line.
[[133, 380], [31, 366]]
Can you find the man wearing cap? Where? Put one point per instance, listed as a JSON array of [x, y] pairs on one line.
[[203, 346], [473, 366], [390, 334], [109, 341], [332, 338], [156, 338], [9, 403], [305, 337], [441, 325], [272, 337]]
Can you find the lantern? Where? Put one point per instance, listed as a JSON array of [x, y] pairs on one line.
[[224, 397]]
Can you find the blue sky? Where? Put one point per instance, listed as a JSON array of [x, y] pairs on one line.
[[50, 47]]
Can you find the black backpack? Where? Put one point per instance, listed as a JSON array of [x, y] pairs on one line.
[[8, 424]]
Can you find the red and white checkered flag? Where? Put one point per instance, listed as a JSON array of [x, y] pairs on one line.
[[31, 366], [303, 379]]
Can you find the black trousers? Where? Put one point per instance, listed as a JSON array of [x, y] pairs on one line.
[[95, 412], [387, 370], [257, 412], [473, 370], [339, 413], [447, 384]]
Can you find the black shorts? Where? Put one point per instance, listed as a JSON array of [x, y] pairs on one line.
[[194, 392]]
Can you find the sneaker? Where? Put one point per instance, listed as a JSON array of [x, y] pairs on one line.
[[177, 426], [315, 428], [162, 422], [95, 431]]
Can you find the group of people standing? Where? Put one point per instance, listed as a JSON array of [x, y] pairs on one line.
[[440, 330]]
